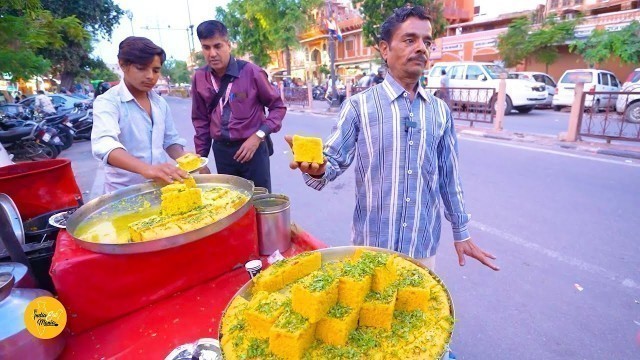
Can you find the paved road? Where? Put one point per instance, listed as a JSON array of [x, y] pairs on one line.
[[564, 227]]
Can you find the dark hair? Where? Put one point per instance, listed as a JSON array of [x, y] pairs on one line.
[[399, 16], [140, 51], [210, 29], [443, 72], [40, 92]]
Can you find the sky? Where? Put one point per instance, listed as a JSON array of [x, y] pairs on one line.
[[173, 14]]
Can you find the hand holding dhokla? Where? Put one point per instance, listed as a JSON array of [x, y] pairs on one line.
[[307, 154]]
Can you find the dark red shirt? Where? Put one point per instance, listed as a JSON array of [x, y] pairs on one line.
[[243, 113]]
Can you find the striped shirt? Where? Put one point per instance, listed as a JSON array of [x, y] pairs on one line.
[[405, 153]]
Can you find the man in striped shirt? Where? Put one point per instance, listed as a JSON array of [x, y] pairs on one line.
[[404, 145]]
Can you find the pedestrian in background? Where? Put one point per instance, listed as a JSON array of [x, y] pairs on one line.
[[228, 109], [444, 87], [43, 104], [403, 140]]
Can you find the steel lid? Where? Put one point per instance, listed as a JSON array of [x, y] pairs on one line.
[[11, 210]]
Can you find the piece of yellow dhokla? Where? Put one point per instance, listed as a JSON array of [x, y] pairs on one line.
[[180, 199], [263, 311], [142, 229], [377, 309], [193, 221], [354, 285], [414, 289], [335, 328], [268, 280], [382, 265], [307, 149], [439, 306], [300, 266], [233, 320], [314, 295], [291, 335], [189, 162]]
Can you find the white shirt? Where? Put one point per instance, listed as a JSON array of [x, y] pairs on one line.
[[120, 122], [43, 103]]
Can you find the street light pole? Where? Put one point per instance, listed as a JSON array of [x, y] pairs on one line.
[[192, 43], [332, 56], [130, 16]]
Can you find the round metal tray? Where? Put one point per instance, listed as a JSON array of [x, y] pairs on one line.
[[340, 253], [133, 197]]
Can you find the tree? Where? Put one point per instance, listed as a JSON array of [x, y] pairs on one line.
[[375, 12], [99, 18], [25, 29], [246, 32], [198, 59], [523, 40], [176, 71], [602, 44], [513, 44], [259, 28], [98, 70], [544, 41]]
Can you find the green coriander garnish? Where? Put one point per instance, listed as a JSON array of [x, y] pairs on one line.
[[269, 306], [338, 311], [363, 339], [406, 322], [291, 321], [410, 278], [320, 281], [384, 297], [240, 325], [257, 349]]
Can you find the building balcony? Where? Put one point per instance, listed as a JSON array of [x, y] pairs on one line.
[[457, 14]]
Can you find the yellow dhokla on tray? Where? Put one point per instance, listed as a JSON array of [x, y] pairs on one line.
[[335, 328], [179, 199], [314, 295], [263, 311], [189, 162], [286, 271], [409, 319], [307, 149], [377, 309], [354, 285], [291, 335]]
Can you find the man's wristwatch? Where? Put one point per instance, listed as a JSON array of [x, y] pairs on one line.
[[261, 134]]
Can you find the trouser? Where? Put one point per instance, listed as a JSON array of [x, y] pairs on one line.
[[257, 169], [429, 262]]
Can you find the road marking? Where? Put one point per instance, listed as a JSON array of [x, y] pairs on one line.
[[556, 152], [575, 262]]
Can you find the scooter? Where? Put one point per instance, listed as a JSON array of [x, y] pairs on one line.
[[29, 140], [81, 121]]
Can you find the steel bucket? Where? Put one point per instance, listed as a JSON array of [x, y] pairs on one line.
[[274, 222]]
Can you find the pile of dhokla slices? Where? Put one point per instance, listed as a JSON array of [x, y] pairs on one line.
[[372, 305]]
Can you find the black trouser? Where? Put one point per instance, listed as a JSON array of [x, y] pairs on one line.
[[257, 169]]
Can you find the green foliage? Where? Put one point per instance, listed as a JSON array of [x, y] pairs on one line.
[[375, 12], [98, 17], [198, 59], [98, 70], [523, 40], [513, 44], [601, 45], [26, 30], [259, 28], [176, 71], [546, 39], [324, 69]]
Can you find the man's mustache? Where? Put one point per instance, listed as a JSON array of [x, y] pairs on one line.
[[419, 57]]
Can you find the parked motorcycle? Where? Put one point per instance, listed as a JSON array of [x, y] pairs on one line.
[[81, 121], [29, 140], [318, 92]]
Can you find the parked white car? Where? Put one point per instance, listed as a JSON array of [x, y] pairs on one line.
[[629, 104], [540, 77], [594, 81], [522, 95]]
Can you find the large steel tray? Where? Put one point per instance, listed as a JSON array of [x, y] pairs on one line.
[[131, 198], [341, 253]]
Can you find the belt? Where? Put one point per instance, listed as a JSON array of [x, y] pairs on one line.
[[229, 142]]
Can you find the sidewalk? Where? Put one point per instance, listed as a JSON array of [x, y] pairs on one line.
[[593, 147]]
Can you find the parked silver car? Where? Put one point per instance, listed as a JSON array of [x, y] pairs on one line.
[[628, 102]]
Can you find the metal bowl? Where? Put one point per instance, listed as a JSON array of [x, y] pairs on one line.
[[131, 198], [337, 254]]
